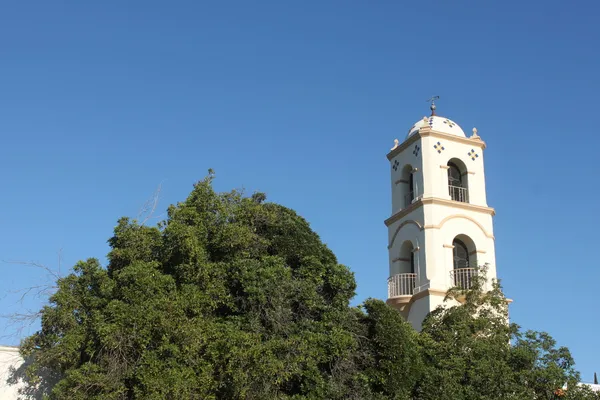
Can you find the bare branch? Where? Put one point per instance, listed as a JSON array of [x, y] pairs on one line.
[[149, 208], [55, 274], [25, 318]]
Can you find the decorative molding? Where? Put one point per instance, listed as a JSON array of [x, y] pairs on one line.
[[473, 220], [402, 225], [426, 131], [436, 200], [473, 155], [439, 147], [427, 292], [402, 213], [395, 217], [459, 204], [416, 150], [403, 146], [450, 123], [404, 303]]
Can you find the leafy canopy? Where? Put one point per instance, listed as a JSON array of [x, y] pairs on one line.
[[231, 297], [472, 352]]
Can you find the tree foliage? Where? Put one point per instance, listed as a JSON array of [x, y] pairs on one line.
[[473, 352], [233, 297]]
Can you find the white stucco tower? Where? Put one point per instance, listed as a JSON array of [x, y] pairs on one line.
[[440, 229]]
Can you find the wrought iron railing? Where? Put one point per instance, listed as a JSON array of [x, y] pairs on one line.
[[463, 277], [458, 193], [401, 285]]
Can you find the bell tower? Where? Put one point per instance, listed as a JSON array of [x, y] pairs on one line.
[[440, 230]]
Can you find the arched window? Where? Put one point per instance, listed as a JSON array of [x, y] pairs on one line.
[[406, 261], [402, 280], [408, 180], [454, 175], [461, 254], [457, 181]]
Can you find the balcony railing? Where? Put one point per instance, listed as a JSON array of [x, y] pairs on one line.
[[458, 193], [401, 285], [408, 199], [463, 277]]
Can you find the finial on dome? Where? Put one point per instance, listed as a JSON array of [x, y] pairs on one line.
[[432, 106]]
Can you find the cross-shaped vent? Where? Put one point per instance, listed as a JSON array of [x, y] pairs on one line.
[[416, 150], [449, 123], [473, 155], [395, 165], [439, 147]]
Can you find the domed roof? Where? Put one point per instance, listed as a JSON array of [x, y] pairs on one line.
[[439, 124]]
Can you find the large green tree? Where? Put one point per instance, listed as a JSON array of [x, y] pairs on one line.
[[472, 352], [231, 297]]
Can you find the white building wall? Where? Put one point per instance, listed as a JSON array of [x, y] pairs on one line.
[[9, 357], [424, 305], [406, 229], [418, 311], [443, 224], [398, 165], [432, 228], [435, 173]]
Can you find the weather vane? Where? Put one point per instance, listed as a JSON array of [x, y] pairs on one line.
[[432, 101]]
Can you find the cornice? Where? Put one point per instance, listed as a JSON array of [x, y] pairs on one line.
[[403, 213], [436, 200], [393, 153], [406, 302], [428, 292], [459, 204], [428, 132]]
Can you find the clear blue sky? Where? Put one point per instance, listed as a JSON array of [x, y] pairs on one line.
[[101, 102]]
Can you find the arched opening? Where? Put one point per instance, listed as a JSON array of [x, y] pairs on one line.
[[464, 259], [408, 180], [460, 254], [407, 258], [403, 283], [457, 180]]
